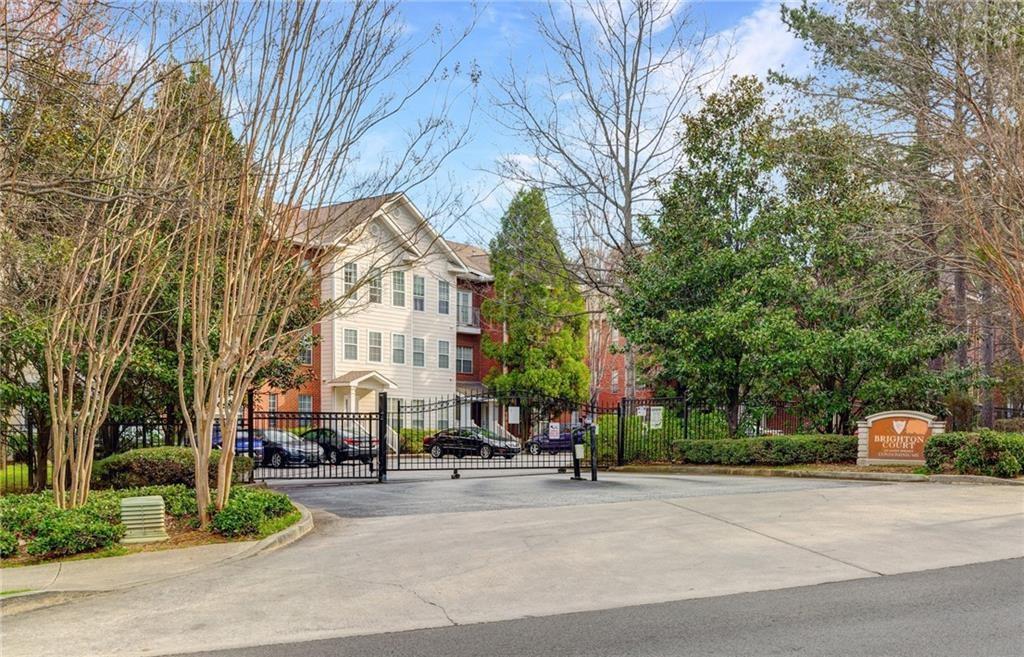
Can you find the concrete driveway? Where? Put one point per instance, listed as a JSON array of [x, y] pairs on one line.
[[426, 551]]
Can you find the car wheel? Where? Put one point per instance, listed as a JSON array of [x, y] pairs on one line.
[[436, 451], [535, 449], [277, 460], [334, 456], [486, 451]]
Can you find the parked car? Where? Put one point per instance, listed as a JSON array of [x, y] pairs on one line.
[[282, 448], [467, 441], [543, 442], [351, 444], [241, 443]]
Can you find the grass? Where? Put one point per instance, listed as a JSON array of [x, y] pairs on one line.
[[13, 591], [274, 525]]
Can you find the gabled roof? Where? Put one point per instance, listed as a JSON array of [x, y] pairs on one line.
[[355, 377], [475, 258]]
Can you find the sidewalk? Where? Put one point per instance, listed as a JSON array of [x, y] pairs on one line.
[[52, 583]]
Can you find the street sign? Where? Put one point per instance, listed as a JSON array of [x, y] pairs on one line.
[[657, 413], [553, 430]]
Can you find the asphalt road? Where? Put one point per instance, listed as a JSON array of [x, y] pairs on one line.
[[416, 493], [975, 610]]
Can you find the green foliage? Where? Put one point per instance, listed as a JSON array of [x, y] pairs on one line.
[[8, 543], [776, 450], [160, 466], [72, 531], [411, 440], [1010, 425], [984, 452], [759, 280], [960, 411], [541, 308], [248, 510]]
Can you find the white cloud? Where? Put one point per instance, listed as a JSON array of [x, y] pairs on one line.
[[759, 43]]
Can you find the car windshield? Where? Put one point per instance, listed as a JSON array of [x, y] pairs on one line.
[[283, 437], [487, 433]]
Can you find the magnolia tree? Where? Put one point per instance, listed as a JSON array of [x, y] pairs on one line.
[[290, 95]]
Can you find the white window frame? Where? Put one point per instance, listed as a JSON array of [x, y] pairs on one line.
[[459, 359], [379, 346], [613, 384], [421, 352], [306, 350], [376, 287], [418, 421], [346, 333], [304, 421], [444, 298], [419, 293], [398, 288], [445, 353], [460, 294], [350, 274], [272, 402], [395, 338]]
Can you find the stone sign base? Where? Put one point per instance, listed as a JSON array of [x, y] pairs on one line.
[[895, 437]]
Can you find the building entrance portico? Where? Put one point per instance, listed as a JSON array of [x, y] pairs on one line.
[[356, 391]]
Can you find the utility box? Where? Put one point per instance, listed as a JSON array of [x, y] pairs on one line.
[[143, 518]]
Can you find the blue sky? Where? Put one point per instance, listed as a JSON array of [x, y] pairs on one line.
[[504, 35]]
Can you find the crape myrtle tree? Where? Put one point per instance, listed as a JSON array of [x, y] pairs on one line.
[[292, 91], [758, 284], [89, 189], [543, 312]]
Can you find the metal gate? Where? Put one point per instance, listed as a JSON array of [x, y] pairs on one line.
[[312, 445], [496, 432]]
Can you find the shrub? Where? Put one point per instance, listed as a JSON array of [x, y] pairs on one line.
[[774, 450], [159, 466], [1010, 425], [21, 514], [73, 531], [248, 509], [960, 410], [8, 543], [411, 440], [984, 452]]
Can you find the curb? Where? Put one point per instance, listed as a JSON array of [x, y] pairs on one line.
[[31, 600], [810, 474]]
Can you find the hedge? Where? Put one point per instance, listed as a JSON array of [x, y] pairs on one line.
[[52, 532], [160, 466], [983, 452], [247, 510], [1010, 425], [771, 450]]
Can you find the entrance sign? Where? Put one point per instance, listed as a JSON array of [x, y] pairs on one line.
[[554, 430], [896, 437], [657, 413], [513, 415]]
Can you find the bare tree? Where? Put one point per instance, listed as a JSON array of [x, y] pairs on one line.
[[601, 122], [302, 85]]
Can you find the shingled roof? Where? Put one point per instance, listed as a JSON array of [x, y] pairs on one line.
[[473, 256]]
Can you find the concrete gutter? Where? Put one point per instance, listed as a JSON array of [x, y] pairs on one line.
[[816, 474], [58, 582]]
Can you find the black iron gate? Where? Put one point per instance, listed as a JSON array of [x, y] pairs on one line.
[[492, 432], [312, 445]]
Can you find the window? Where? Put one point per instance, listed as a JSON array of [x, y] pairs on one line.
[[306, 350], [398, 288], [615, 381], [444, 293], [419, 356], [351, 273], [443, 418], [417, 415], [397, 348], [376, 344], [272, 402], [465, 307], [305, 409], [351, 344], [443, 354], [464, 360], [376, 287], [419, 293]]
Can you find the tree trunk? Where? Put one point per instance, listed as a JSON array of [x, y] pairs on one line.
[[203, 487], [42, 453], [988, 354]]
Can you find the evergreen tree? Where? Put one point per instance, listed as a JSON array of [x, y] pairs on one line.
[[540, 307]]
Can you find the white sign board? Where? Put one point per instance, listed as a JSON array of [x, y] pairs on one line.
[[513, 415], [641, 411], [553, 430], [657, 413]]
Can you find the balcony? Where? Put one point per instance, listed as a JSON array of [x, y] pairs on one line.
[[467, 319]]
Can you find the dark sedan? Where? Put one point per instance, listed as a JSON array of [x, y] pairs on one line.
[[543, 442], [470, 441], [344, 444], [282, 448]]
